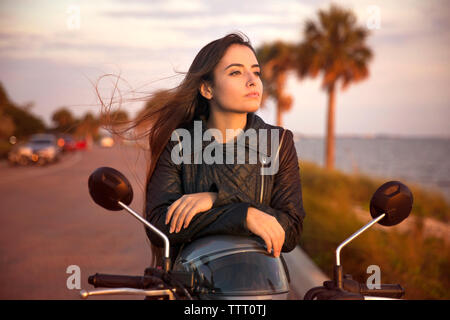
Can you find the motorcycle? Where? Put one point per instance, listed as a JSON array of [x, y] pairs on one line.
[[222, 267]]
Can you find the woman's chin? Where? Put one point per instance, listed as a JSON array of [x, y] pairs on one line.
[[244, 108], [251, 107]]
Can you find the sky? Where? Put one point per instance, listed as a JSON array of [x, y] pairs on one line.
[[52, 53]]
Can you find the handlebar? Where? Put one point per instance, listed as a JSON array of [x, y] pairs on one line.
[[386, 290], [354, 290], [128, 291], [119, 281], [153, 279]]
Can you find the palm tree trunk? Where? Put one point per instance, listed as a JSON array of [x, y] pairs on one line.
[[279, 121], [330, 145], [280, 82]]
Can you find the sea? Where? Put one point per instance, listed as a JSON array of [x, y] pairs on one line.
[[421, 160]]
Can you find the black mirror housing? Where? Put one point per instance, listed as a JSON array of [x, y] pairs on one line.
[[395, 200], [107, 187]]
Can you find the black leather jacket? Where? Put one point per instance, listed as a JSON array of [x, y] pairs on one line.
[[238, 186]]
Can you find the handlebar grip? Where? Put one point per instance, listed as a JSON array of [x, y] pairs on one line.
[[119, 281], [386, 290]]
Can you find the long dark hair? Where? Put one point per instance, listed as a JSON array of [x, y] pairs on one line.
[[181, 105]]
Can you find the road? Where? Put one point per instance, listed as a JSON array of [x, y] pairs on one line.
[[49, 222]]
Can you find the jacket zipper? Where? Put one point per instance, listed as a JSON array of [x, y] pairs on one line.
[[264, 160], [262, 188], [262, 181]]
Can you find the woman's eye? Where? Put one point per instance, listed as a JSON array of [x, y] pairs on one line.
[[257, 73]]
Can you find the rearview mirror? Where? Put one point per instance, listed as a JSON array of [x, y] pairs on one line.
[[107, 187], [111, 189], [395, 200]]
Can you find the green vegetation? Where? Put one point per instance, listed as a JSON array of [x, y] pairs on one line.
[[420, 264]]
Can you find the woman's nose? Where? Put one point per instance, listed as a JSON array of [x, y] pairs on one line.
[[251, 79]]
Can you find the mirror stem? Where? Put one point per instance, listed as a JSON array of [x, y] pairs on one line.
[[162, 235], [353, 236]]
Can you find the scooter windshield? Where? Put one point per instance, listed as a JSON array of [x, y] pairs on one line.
[[243, 273]]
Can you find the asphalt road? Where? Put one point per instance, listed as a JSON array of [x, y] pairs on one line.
[[49, 222]]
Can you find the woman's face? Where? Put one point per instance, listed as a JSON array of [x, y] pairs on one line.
[[233, 82]]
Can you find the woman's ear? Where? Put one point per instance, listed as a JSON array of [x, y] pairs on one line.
[[205, 90]]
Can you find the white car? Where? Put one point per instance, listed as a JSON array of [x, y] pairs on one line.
[[40, 149]]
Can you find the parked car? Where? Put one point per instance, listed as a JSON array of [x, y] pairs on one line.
[[67, 143], [40, 149], [81, 144]]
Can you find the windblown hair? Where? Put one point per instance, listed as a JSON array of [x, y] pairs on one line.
[[169, 109]]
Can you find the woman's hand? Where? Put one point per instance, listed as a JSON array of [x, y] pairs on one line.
[[186, 207], [268, 228]]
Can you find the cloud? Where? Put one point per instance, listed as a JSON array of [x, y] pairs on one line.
[[166, 6]]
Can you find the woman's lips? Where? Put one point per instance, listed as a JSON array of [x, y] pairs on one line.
[[253, 95]]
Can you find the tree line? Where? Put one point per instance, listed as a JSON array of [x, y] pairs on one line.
[[19, 122]]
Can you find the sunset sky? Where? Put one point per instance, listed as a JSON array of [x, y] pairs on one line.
[[51, 58]]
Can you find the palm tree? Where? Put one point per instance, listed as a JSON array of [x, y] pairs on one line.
[[336, 46], [276, 60]]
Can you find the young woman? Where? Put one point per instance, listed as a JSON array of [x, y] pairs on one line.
[[188, 200]]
